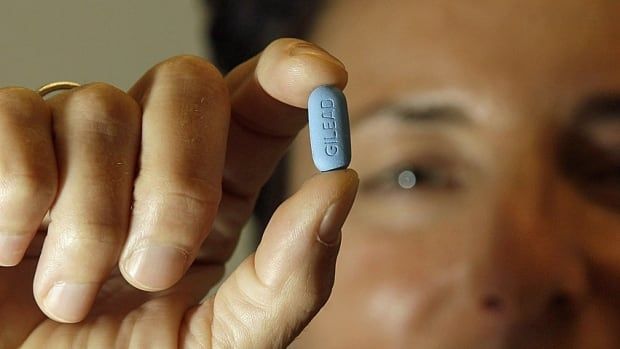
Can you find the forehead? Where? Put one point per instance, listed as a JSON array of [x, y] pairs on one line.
[[520, 48]]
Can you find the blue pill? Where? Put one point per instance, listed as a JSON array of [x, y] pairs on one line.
[[328, 122]]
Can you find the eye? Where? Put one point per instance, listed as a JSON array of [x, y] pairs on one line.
[[601, 183], [409, 178], [591, 159]]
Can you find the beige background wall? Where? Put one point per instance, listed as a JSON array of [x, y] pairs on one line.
[[94, 40]]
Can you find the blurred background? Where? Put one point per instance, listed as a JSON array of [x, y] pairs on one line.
[[94, 40]]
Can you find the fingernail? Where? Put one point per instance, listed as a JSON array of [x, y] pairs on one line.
[[70, 302], [335, 215], [156, 267], [12, 249]]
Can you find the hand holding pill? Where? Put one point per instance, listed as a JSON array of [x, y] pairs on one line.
[[148, 190]]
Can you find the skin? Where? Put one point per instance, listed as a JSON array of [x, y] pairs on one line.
[[511, 236], [147, 190]]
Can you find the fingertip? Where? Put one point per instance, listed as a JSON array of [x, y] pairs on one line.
[[154, 268], [13, 248], [289, 69], [68, 302]]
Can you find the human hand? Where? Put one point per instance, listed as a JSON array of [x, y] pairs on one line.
[[147, 191]]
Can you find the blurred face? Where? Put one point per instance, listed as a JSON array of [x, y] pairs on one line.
[[487, 139]]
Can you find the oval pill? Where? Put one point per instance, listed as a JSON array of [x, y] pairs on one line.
[[328, 123]]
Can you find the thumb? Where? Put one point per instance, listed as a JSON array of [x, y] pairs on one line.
[[274, 293]]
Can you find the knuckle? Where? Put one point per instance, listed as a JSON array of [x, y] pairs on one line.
[[78, 229], [106, 100], [197, 325], [195, 76], [22, 102], [184, 195], [228, 327], [190, 201], [103, 109], [222, 339], [25, 186], [193, 193], [189, 66], [195, 83]]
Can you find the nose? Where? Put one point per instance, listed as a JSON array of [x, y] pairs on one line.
[[527, 280], [528, 272]]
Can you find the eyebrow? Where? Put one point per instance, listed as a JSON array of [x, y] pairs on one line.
[[416, 113]]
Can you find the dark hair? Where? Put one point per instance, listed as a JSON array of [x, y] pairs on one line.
[[238, 30]]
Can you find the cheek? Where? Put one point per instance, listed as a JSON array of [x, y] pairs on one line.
[[385, 281]]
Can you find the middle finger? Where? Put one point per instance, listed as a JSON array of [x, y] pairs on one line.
[[97, 133], [186, 110]]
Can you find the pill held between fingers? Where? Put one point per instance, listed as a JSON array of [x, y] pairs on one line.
[[328, 124]]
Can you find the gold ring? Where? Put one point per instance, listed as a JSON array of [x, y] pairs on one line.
[[56, 86]]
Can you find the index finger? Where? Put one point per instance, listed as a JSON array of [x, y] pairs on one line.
[[208, 146], [269, 96], [269, 107]]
